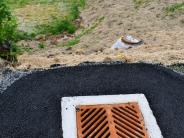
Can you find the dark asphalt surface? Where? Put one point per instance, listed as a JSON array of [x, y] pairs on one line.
[[30, 108]]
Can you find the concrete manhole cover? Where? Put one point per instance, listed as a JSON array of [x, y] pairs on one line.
[[112, 116]]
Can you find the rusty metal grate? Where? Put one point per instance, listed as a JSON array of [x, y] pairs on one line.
[[110, 121]]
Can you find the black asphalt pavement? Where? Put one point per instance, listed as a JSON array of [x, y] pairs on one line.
[[30, 108]]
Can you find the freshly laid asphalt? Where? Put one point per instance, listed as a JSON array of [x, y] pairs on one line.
[[30, 108]]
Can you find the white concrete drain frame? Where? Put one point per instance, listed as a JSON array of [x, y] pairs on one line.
[[68, 105]]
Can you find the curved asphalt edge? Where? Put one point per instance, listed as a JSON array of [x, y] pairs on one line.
[[31, 106], [8, 76]]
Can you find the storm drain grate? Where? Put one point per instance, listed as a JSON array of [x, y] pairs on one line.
[[110, 121]]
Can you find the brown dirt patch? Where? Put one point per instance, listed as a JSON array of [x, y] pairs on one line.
[[163, 36]]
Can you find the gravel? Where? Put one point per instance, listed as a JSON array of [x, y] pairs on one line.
[[7, 77]]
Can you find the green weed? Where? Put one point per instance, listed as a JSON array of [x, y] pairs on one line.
[[139, 3], [73, 11], [8, 27], [72, 42], [14, 52], [57, 26], [24, 36], [174, 8], [41, 46], [82, 3]]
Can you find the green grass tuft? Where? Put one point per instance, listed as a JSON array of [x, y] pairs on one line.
[[57, 26], [175, 8], [82, 3], [41, 46], [72, 42], [139, 3], [24, 36], [74, 11]]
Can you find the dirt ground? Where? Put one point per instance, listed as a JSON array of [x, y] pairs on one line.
[[163, 36]]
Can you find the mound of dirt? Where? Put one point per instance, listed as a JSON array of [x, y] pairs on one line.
[[163, 36]]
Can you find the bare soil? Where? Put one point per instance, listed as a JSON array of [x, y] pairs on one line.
[[163, 36]]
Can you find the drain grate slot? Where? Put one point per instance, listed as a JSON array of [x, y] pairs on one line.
[[110, 121]]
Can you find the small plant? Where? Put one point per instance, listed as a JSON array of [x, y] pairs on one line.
[[57, 26], [24, 36], [82, 3], [8, 28], [8, 24], [174, 8], [41, 46], [138, 3], [74, 11], [73, 42], [15, 50]]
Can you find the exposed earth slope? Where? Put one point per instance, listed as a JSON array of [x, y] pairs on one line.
[[163, 36]]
